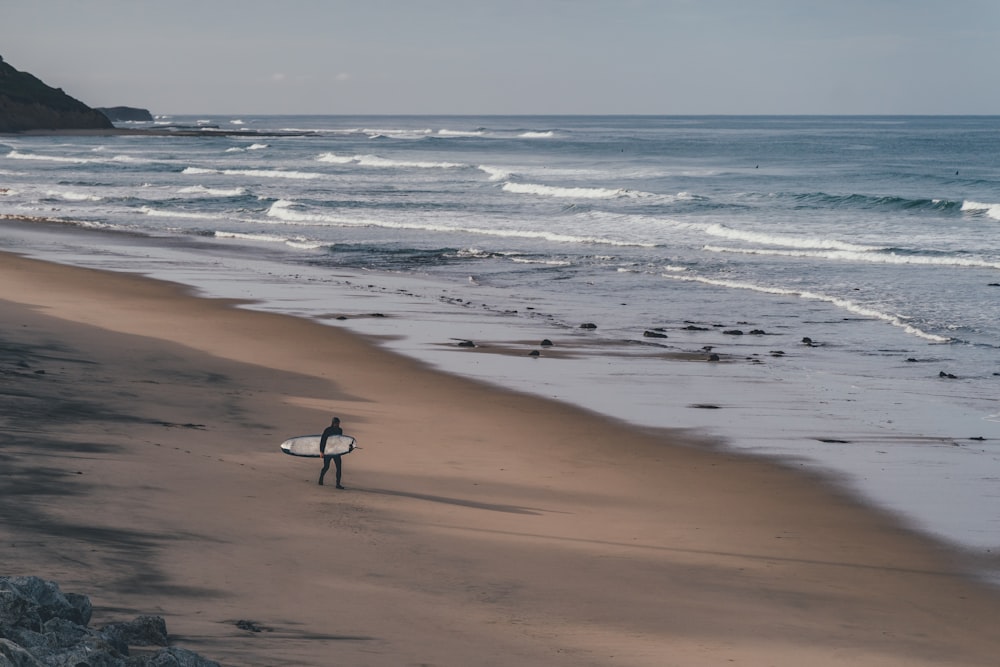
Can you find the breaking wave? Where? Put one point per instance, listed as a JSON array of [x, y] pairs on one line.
[[786, 240], [293, 242], [825, 200], [287, 211], [850, 306], [157, 213], [263, 173], [461, 133], [554, 191], [213, 192], [73, 196], [878, 257], [385, 163], [990, 210], [251, 147]]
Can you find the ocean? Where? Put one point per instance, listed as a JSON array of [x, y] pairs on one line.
[[822, 290]]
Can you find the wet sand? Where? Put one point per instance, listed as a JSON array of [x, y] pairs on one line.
[[140, 465]]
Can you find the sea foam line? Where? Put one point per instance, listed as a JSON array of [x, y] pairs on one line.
[[17, 155], [212, 192], [883, 257], [296, 242], [398, 133], [282, 210], [155, 213], [850, 306], [461, 133], [785, 240], [264, 173], [86, 224], [554, 191], [127, 159], [381, 162], [73, 196], [251, 147]]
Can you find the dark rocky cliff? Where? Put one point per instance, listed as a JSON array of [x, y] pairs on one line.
[[126, 114], [28, 104]]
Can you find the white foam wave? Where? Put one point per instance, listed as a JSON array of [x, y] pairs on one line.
[[267, 238], [262, 173], [273, 173], [212, 192], [376, 161], [305, 245], [386, 163], [335, 159], [785, 240], [295, 242], [991, 210], [126, 159], [397, 133], [18, 155], [554, 191], [854, 256], [460, 133], [86, 224], [495, 173], [155, 213], [537, 135], [73, 196], [251, 147], [850, 306], [543, 262], [286, 211]]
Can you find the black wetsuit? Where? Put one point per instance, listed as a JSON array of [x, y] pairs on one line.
[[327, 432]]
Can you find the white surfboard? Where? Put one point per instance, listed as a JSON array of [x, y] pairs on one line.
[[308, 445]]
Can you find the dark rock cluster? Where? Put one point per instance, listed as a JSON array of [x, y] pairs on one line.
[[28, 104], [40, 626]]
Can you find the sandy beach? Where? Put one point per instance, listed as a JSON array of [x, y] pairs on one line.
[[140, 465]]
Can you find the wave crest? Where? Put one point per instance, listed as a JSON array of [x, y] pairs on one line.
[[291, 212], [884, 256], [850, 306], [991, 210]]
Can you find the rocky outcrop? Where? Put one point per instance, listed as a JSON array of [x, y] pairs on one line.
[[40, 626], [126, 114], [28, 104]]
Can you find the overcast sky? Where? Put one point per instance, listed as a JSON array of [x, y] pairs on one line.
[[514, 56]]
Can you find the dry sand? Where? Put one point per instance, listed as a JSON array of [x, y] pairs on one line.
[[139, 465]]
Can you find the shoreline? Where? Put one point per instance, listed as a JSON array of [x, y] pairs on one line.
[[477, 521], [834, 429]]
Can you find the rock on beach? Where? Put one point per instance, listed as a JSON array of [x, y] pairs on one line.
[[40, 626]]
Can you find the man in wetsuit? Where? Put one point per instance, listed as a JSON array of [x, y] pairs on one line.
[[332, 429]]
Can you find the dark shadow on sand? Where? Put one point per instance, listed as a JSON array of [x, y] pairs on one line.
[[460, 502]]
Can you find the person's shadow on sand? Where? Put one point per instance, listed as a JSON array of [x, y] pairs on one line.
[[461, 502]]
